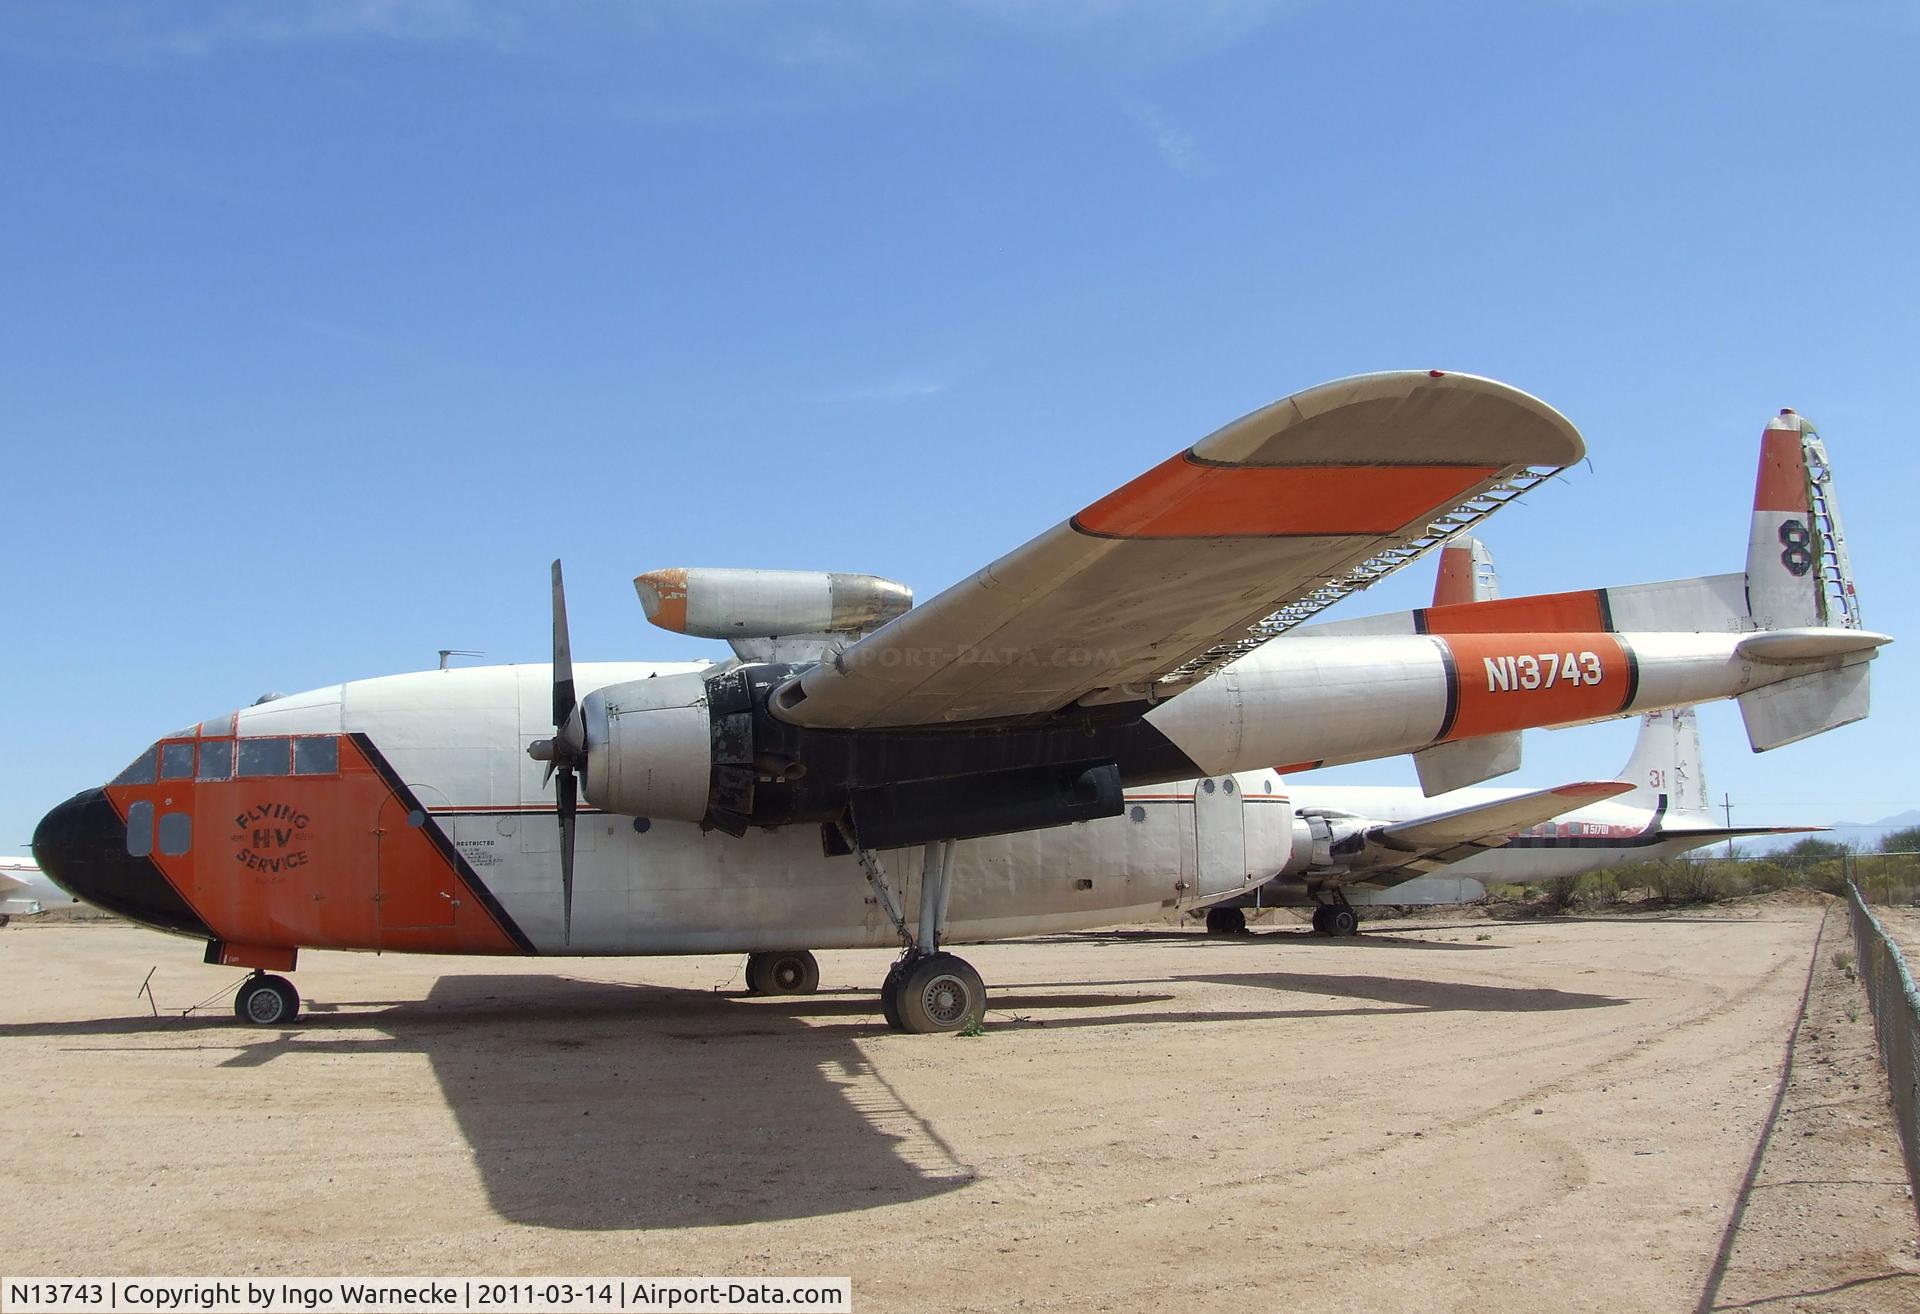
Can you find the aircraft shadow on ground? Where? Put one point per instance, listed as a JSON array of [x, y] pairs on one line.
[[1301, 939], [605, 1106], [1420, 996]]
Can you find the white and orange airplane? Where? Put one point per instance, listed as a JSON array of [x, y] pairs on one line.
[[864, 772], [1389, 844]]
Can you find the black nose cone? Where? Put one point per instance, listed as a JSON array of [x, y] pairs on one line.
[[82, 846]]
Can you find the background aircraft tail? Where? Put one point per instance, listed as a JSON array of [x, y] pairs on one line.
[[1666, 760]]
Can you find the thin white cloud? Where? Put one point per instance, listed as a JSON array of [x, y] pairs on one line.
[[906, 388], [1176, 147], [150, 31]]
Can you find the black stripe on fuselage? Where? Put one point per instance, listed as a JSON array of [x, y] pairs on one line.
[[444, 842], [1633, 674], [1452, 669]]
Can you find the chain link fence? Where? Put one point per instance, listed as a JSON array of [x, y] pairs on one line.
[[1895, 1004]]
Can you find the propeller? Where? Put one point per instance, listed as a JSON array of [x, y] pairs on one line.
[[566, 752]]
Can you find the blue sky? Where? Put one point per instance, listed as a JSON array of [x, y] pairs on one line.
[[327, 325]]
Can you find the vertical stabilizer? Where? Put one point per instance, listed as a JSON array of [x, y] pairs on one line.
[[1666, 760], [1797, 570], [1466, 574]]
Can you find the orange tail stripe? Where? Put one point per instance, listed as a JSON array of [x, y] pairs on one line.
[[1584, 611], [1454, 584], [1183, 498], [1782, 482]]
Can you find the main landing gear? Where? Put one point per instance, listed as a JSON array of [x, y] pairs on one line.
[[784, 972], [927, 990], [1336, 918], [1226, 921], [266, 1001]]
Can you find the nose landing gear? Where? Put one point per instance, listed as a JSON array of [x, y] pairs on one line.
[[266, 1001]]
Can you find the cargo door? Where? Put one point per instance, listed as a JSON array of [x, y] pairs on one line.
[[1220, 837]]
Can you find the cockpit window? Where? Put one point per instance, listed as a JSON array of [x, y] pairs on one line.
[[176, 761], [319, 756], [264, 757], [144, 770], [216, 759]]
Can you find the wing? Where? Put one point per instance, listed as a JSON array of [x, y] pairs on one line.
[[1184, 568], [1433, 842]]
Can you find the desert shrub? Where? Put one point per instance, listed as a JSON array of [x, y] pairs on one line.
[[1559, 891], [1598, 889]]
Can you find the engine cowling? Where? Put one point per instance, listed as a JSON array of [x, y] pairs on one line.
[[649, 747], [1326, 841]]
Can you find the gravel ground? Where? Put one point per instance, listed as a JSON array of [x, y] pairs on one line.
[[1565, 1114]]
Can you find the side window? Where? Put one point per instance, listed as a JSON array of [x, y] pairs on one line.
[[316, 757], [176, 761], [143, 770], [176, 833], [263, 757], [216, 759], [140, 829]]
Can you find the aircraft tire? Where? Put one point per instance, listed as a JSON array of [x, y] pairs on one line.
[[1226, 921], [784, 972], [1341, 920], [266, 1001], [890, 995], [1320, 919], [939, 993]]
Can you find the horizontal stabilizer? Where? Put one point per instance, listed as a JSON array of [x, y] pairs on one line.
[[1797, 709], [1444, 768], [1498, 820], [1786, 645]]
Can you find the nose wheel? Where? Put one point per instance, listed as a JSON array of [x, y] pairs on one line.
[[266, 1001]]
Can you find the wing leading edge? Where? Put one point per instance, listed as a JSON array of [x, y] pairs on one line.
[[1174, 573]]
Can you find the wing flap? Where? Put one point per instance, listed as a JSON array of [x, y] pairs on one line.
[[1154, 578]]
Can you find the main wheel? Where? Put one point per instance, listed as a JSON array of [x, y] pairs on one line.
[[266, 1001], [939, 993], [1342, 920], [1320, 911], [890, 994], [786, 972], [1226, 921]]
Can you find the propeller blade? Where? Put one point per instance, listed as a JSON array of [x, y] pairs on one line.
[[567, 803], [563, 699]]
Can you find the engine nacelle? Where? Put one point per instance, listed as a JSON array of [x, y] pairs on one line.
[[1326, 841], [721, 603], [650, 748]]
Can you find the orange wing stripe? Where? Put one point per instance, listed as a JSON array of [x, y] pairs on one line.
[[1547, 613], [1182, 498]]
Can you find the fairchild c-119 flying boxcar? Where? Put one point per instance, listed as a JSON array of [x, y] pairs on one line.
[[865, 772]]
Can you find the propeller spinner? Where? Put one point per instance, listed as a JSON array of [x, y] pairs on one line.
[[566, 752]]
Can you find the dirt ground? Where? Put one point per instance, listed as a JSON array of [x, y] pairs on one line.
[[1549, 1115]]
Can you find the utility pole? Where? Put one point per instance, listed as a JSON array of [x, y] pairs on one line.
[[1726, 803]]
